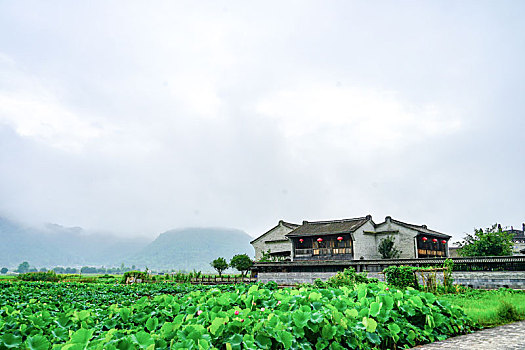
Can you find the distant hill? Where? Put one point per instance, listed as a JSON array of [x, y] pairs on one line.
[[192, 249], [55, 245]]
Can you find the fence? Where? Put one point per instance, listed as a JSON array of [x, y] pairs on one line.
[[211, 280]]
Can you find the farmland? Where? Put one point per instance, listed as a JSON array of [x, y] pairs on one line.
[[40, 315]]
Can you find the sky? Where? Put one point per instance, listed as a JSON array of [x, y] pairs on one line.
[[139, 117]]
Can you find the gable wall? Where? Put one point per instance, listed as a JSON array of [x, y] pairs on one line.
[[404, 240], [278, 233], [365, 244]]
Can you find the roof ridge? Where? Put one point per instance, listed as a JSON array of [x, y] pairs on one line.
[[337, 220]]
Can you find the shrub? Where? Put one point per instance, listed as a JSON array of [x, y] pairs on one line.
[[49, 276], [348, 277], [387, 249], [508, 312], [401, 276]]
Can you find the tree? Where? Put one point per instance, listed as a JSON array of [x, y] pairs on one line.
[[387, 249], [219, 264], [489, 242], [242, 263], [23, 267], [4, 270], [59, 269]]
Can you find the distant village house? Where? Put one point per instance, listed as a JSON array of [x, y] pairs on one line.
[[348, 239]]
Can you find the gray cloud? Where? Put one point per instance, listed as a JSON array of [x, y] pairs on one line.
[[140, 118]]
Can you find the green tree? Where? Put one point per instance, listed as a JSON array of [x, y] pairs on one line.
[[489, 242], [4, 270], [23, 267], [219, 264], [242, 263], [387, 248]]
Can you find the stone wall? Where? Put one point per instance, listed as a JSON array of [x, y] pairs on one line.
[[478, 280]]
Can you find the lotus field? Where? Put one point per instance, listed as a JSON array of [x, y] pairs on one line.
[[40, 315]]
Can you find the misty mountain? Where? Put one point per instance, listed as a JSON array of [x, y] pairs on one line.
[[192, 249], [55, 245]]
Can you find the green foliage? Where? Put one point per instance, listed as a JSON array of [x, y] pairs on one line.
[[401, 276], [219, 264], [4, 270], [489, 242], [448, 281], [387, 248], [242, 263], [135, 275], [348, 277], [175, 316], [508, 313], [49, 276]]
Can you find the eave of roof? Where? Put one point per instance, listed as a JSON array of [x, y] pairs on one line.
[[331, 227], [281, 222], [421, 229]]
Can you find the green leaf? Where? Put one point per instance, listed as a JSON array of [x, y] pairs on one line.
[[152, 323], [300, 318], [328, 332], [11, 341], [217, 326], [37, 342], [394, 328], [263, 341], [370, 324], [373, 337], [235, 341], [375, 308], [124, 314], [351, 313], [286, 338], [143, 339], [82, 336], [314, 296]]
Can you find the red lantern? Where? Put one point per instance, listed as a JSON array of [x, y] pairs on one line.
[[301, 240], [319, 240], [339, 238], [424, 239], [434, 240], [443, 241]]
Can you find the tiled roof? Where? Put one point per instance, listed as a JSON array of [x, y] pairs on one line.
[[281, 222], [328, 227], [422, 229]]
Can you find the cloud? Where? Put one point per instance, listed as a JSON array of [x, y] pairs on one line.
[[362, 122]]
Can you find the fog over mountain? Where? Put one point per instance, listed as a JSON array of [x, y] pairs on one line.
[[55, 245]]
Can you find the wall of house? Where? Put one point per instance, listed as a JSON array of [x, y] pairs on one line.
[[365, 244], [264, 244], [404, 240]]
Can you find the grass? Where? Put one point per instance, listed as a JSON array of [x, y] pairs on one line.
[[491, 308]]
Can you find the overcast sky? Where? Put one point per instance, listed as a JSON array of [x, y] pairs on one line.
[[139, 117]]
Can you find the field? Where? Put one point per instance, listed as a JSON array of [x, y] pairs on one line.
[[489, 308], [43, 315]]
